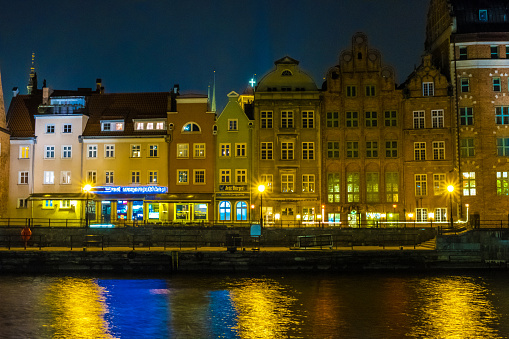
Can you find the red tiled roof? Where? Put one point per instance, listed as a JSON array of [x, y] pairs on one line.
[[20, 117]]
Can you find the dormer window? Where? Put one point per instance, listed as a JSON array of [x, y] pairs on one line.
[[483, 15], [191, 127], [286, 73], [159, 125], [150, 125], [139, 126], [110, 126]]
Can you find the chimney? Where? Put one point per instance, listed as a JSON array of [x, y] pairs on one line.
[[173, 97], [98, 86], [46, 92], [15, 92]]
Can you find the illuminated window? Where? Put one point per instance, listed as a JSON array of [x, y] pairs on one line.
[[332, 119], [353, 184], [419, 151], [199, 176], [241, 209], [371, 149], [108, 126], [420, 184], [466, 116], [287, 151], [437, 118], [286, 119], [191, 127], [24, 152], [47, 204], [225, 176], [139, 126], [441, 214], [428, 89], [109, 151], [467, 147], [392, 186], [308, 213], [224, 150], [182, 150], [391, 118], [308, 151], [225, 210], [372, 186], [352, 119], [352, 149], [152, 151], [135, 151], [333, 187], [421, 214], [438, 150], [502, 183], [308, 120], [240, 150], [65, 177], [371, 119], [308, 183], [266, 120], [152, 177], [160, 125], [66, 152], [135, 177], [439, 185], [109, 177], [469, 187], [49, 177], [418, 119], [266, 151], [150, 125], [287, 183], [49, 152], [23, 178], [92, 151], [182, 176], [267, 180], [199, 150], [483, 15]]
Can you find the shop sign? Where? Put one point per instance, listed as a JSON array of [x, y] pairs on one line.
[[232, 188], [131, 190]]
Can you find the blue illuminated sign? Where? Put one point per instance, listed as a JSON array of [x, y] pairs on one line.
[[131, 190]]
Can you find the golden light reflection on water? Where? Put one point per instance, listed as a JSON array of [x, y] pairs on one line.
[[455, 307], [76, 308], [263, 308]]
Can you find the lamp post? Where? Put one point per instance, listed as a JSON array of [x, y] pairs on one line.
[[261, 189], [87, 189], [450, 188]]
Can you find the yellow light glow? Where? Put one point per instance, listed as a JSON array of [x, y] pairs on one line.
[[410, 215], [298, 216], [319, 216], [431, 215], [261, 188], [467, 205], [450, 188], [87, 188]]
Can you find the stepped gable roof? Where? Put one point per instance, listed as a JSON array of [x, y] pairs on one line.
[[467, 15], [126, 107]]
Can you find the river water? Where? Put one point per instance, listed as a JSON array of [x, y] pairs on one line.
[[304, 305]]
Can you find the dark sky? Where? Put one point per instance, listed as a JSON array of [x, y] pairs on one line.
[[149, 45]]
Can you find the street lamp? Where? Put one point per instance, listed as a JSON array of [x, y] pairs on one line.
[[87, 189], [261, 188], [450, 188]]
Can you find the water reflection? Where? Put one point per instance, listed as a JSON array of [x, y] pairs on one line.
[[455, 307], [292, 306]]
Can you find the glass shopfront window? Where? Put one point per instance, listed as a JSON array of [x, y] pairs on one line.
[[105, 212], [334, 218], [153, 211], [241, 209], [200, 212], [225, 209], [182, 212], [137, 210], [122, 209]]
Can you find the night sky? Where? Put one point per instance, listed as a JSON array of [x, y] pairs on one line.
[[149, 45]]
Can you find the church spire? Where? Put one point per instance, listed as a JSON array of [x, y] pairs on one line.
[[32, 81], [213, 106]]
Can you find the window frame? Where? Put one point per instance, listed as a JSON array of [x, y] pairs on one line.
[[109, 151], [183, 150]]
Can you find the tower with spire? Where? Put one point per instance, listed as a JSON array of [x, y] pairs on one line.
[[32, 81]]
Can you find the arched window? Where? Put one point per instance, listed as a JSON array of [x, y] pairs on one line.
[[191, 127], [225, 210], [241, 209], [286, 73]]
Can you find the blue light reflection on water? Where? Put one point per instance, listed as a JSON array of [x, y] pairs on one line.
[[222, 315], [136, 308]]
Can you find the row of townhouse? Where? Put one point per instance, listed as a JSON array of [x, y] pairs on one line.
[[359, 150]]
